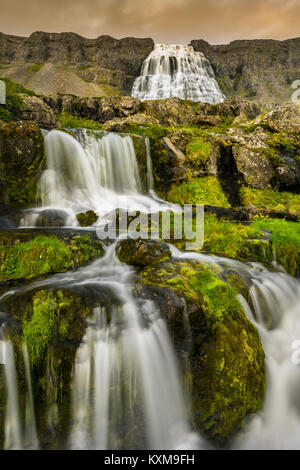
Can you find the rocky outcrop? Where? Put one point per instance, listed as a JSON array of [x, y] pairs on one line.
[[125, 54], [21, 159], [35, 109], [227, 372], [141, 253], [261, 70], [285, 118]]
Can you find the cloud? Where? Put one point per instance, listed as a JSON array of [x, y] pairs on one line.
[[217, 21]]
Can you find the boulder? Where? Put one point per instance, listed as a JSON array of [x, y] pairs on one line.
[[35, 109], [122, 124], [86, 219], [285, 118], [142, 252], [170, 112]]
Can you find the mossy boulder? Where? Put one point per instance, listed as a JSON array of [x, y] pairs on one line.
[[227, 370], [43, 254], [21, 160], [86, 219], [142, 252]]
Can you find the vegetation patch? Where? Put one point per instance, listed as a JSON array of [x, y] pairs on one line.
[[206, 190], [266, 198], [14, 101], [74, 121], [285, 241]]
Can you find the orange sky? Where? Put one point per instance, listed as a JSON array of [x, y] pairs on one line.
[[179, 21]]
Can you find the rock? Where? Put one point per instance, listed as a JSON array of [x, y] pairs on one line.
[[51, 218], [21, 160], [86, 219], [237, 106], [177, 159], [34, 109], [124, 124], [203, 120], [256, 169], [114, 106], [170, 112], [285, 118], [141, 252], [227, 371]]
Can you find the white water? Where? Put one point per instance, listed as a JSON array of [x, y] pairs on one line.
[[96, 171], [18, 435], [176, 70]]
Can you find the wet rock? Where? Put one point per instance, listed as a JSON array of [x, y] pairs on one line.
[[142, 252], [51, 218], [86, 219]]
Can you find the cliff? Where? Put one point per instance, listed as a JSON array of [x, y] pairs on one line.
[[260, 70]]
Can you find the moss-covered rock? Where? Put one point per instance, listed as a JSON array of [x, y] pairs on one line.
[[86, 219], [227, 371], [44, 255], [21, 160], [142, 252]]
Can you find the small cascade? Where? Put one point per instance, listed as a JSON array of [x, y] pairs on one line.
[[177, 71], [19, 433]]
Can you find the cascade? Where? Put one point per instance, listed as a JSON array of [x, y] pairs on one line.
[[177, 71], [95, 171]]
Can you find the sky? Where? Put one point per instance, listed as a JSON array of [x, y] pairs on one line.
[[167, 21]]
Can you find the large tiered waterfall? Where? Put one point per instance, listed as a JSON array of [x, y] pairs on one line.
[[176, 70]]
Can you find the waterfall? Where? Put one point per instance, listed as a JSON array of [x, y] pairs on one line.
[[18, 435], [176, 70], [92, 171]]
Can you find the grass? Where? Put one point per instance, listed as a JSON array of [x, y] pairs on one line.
[[73, 121], [267, 198], [228, 239], [206, 190], [285, 240], [14, 101], [198, 151]]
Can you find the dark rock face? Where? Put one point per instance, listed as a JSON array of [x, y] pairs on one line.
[[262, 70], [21, 158]]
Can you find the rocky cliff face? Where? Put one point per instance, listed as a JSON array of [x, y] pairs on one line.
[[107, 61], [262, 70]]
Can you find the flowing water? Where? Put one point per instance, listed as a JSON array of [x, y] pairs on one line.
[[95, 171], [127, 386], [176, 70]]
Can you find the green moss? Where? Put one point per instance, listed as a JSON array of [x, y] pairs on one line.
[[34, 68], [87, 219], [198, 152], [285, 240], [74, 121], [206, 190], [232, 239], [44, 255], [40, 329], [275, 200], [14, 101]]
